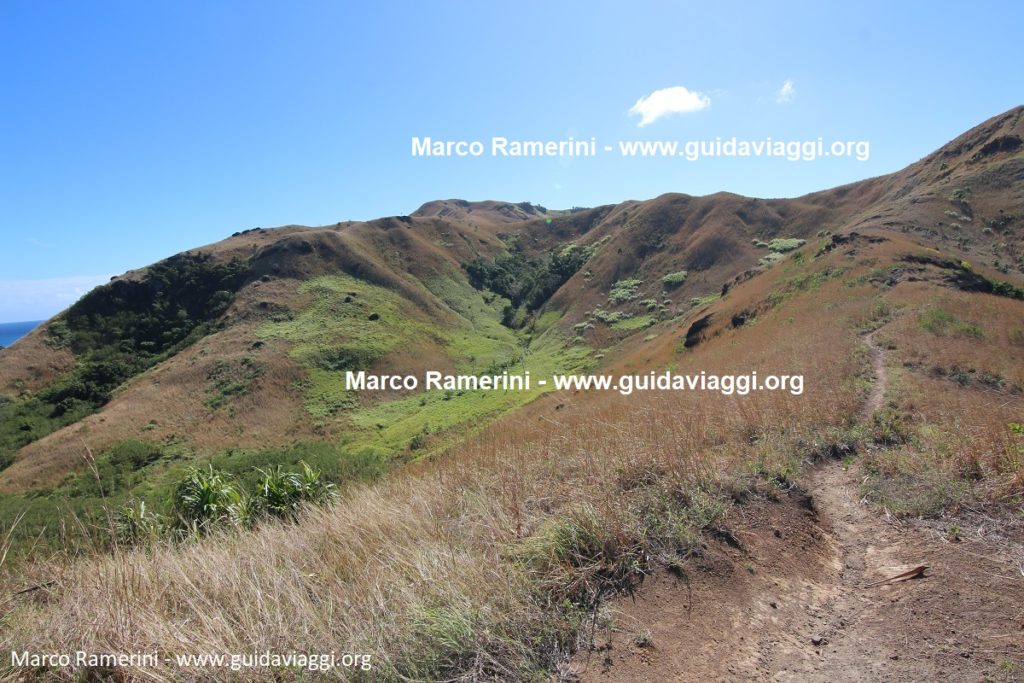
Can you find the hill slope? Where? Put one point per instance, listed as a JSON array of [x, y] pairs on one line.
[[239, 343], [495, 558]]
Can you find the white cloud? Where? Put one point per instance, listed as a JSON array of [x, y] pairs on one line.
[[38, 299], [786, 93], [674, 100]]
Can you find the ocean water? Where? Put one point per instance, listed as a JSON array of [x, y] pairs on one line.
[[12, 332]]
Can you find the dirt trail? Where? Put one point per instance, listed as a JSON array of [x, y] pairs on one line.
[[797, 601], [880, 378]]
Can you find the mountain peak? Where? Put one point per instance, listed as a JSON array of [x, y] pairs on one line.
[[488, 211]]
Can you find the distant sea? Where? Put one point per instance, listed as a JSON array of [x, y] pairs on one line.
[[12, 332]]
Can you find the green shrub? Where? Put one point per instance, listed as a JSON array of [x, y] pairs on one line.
[[1008, 290], [25, 420], [206, 498], [282, 493], [623, 291], [610, 318], [784, 244], [117, 469], [674, 279], [961, 196]]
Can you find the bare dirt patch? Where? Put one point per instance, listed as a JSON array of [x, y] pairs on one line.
[[796, 603], [812, 595], [738, 613]]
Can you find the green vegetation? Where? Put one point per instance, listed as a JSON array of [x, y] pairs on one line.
[[123, 467], [335, 333], [961, 196], [623, 291], [674, 279], [778, 246], [631, 324], [1007, 289], [231, 378], [154, 315], [785, 244], [390, 427], [941, 323], [349, 325], [545, 320], [205, 498], [804, 282], [698, 301], [609, 317], [133, 484], [526, 282], [117, 331], [208, 498], [23, 421]]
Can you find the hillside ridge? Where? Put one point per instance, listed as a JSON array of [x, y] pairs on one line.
[[469, 285]]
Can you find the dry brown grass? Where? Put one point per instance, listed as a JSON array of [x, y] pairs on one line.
[[483, 563], [956, 389], [488, 562], [30, 364], [167, 402], [997, 349]]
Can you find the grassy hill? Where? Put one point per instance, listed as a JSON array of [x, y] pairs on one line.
[[507, 518]]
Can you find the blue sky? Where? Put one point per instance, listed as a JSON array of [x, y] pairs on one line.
[[133, 130]]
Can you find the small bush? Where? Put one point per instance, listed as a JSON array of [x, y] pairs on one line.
[[205, 498], [208, 498], [675, 279], [961, 196], [783, 244], [1008, 290], [623, 291], [610, 317], [282, 493]]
